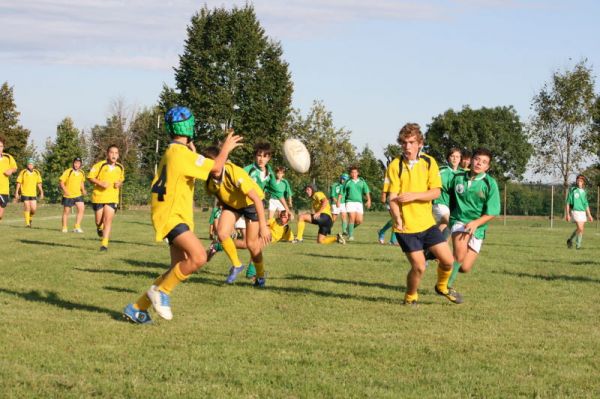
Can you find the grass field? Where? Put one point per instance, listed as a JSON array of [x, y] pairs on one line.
[[330, 324]]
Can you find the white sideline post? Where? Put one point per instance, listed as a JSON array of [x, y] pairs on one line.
[[505, 204], [552, 206]]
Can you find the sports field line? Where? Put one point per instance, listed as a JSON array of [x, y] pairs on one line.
[[8, 221]]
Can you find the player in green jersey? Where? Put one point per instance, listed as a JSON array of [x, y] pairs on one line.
[[281, 193], [476, 201], [338, 201], [577, 208], [354, 189]]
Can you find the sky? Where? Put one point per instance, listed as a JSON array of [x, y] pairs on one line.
[[375, 65]]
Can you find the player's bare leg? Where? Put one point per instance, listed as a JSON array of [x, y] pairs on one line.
[[107, 218]]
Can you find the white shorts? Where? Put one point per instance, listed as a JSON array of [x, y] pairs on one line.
[[240, 223], [578, 216], [354, 207], [275, 205], [474, 243], [440, 211], [335, 210]]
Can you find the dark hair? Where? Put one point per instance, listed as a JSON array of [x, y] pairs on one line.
[[211, 152], [353, 167], [262, 147], [2, 140], [111, 146], [483, 151], [465, 153], [452, 151], [409, 130], [279, 169], [312, 186]]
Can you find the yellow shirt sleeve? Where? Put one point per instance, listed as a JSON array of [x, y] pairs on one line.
[[20, 177], [64, 176], [243, 181], [195, 165], [122, 178], [39, 177], [12, 164], [392, 177], [435, 180], [94, 171]]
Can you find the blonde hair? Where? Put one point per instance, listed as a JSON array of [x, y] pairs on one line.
[[409, 130]]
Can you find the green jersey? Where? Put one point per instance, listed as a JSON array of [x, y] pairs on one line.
[[473, 197], [354, 190], [215, 214], [263, 179], [280, 189], [447, 174], [577, 199], [335, 190]]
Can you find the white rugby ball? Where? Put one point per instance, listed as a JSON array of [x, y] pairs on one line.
[[296, 155]]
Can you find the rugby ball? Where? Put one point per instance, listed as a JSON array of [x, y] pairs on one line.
[[296, 155]]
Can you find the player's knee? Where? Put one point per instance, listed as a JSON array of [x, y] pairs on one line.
[[198, 260]]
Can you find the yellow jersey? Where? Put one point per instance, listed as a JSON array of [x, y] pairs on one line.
[[279, 231], [73, 179], [173, 188], [110, 174], [233, 187], [317, 199], [6, 162], [29, 181], [415, 176]]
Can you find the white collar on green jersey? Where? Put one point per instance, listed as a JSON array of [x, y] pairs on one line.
[[479, 176]]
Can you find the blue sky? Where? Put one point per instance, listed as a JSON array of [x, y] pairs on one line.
[[376, 65]]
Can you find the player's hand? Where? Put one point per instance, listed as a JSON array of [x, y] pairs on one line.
[[265, 234], [103, 184], [17, 196], [406, 197], [568, 217], [232, 141], [369, 204], [118, 184], [471, 227], [591, 219], [65, 193], [41, 196], [398, 223], [316, 215]]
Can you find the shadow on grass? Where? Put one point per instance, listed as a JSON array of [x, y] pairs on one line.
[[142, 263], [586, 262], [551, 277], [52, 298], [339, 281], [195, 278], [119, 289], [50, 244], [143, 244], [313, 255], [137, 222]]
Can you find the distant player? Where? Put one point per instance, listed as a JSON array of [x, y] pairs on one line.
[[465, 159], [280, 193], [320, 215], [354, 189], [213, 221], [107, 176], [476, 201], [337, 201], [414, 181], [577, 208], [390, 223], [29, 182], [8, 166], [241, 197], [173, 211], [72, 184]]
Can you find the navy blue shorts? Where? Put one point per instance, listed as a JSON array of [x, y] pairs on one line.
[[28, 198], [324, 222], [176, 231], [248, 212], [412, 242], [69, 202], [4, 200], [97, 207]]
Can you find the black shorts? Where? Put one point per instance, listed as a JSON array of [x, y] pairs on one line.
[[28, 198], [324, 222], [69, 202], [176, 231], [248, 212], [4, 200], [97, 207], [412, 242]]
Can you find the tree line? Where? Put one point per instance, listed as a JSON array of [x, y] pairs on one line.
[[231, 74]]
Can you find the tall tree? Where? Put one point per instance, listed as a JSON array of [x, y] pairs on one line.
[[16, 136], [151, 137], [231, 73], [330, 147], [59, 155], [562, 120], [499, 129]]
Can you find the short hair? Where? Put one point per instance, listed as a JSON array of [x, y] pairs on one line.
[[482, 151], [312, 186], [353, 167], [111, 146], [409, 130], [280, 169], [263, 147], [452, 151], [465, 153], [211, 152], [580, 176], [2, 140]]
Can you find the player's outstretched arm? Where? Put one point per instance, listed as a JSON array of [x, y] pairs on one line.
[[231, 142], [424, 196]]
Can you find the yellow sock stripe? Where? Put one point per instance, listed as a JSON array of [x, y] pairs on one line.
[[172, 279], [231, 251], [443, 276], [301, 226]]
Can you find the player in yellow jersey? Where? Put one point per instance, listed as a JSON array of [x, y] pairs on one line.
[[107, 176], [8, 166], [413, 181], [320, 215], [240, 196], [29, 182], [173, 211], [72, 184]]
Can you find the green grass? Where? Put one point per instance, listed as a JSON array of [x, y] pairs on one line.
[[330, 324]]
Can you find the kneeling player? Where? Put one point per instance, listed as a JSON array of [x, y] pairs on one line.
[[173, 212], [476, 201], [28, 182], [321, 216], [72, 185]]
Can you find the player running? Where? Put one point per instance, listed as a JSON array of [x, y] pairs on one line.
[[107, 176], [476, 201], [354, 189], [337, 200], [29, 182], [320, 215], [8, 166], [577, 208], [72, 184], [173, 211], [414, 181]]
